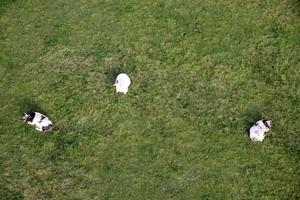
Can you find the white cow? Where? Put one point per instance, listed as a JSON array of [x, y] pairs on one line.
[[122, 83]]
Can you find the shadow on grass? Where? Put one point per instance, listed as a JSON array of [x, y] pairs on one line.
[[112, 73], [4, 4], [29, 105], [252, 114]]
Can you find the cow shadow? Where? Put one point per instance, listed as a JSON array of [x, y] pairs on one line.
[[30, 105], [251, 115]]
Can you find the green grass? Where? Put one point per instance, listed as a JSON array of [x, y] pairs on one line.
[[202, 73]]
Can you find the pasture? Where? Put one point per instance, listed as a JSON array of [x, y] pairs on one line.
[[202, 73]]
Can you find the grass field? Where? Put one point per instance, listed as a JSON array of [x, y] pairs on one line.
[[203, 72]]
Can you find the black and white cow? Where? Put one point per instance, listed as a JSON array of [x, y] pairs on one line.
[[257, 131], [41, 122]]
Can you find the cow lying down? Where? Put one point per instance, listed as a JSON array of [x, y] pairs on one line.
[[258, 130], [41, 122]]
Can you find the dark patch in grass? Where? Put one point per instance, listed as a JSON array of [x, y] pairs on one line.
[[205, 197], [7, 193], [295, 6], [252, 114], [51, 40], [173, 166], [30, 105], [113, 72], [4, 4]]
